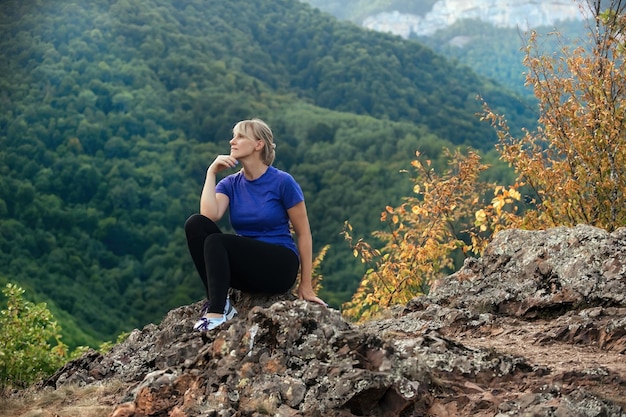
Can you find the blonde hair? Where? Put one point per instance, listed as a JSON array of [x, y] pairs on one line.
[[259, 130]]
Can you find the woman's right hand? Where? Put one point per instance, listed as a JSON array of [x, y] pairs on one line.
[[221, 163]]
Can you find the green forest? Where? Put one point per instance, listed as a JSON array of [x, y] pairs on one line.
[[110, 112]]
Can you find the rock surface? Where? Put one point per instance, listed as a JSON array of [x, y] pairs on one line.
[[536, 327]]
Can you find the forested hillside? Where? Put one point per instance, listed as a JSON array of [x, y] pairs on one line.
[[110, 112]]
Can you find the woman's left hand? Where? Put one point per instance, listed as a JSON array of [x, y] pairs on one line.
[[307, 293]]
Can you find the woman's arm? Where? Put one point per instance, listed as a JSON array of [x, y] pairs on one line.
[[300, 221], [214, 205]]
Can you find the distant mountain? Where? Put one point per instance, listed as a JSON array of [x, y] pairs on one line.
[[522, 14], [424, 17], [485, 35]]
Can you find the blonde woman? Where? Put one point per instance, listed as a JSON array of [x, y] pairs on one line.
[[262, 257]]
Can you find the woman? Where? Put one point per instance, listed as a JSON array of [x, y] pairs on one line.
[[262, 201]]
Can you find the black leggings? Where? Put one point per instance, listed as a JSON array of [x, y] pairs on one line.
[[229, 261]]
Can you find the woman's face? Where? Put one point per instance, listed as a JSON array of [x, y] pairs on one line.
[[243, 145]]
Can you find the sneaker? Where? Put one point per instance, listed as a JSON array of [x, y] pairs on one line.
[[206, 323], [229, 309], [209, 323]]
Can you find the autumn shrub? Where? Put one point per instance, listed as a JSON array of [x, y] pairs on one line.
[[427, 232], [575, 161]]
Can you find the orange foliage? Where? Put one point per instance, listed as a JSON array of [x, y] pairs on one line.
[[424, 233], [575, 162]]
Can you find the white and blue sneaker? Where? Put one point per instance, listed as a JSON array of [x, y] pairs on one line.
[[209, 323]]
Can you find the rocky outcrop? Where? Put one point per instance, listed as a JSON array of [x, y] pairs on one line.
[[532, 273], [524, 14], [535, 327]]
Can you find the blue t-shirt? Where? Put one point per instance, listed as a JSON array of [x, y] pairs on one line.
[[258, 208]]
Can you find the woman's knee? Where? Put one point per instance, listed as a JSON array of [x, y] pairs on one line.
[[193, 221], [197, 224], [196, 220]]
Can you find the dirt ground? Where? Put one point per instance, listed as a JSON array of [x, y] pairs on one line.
[[561, 365]]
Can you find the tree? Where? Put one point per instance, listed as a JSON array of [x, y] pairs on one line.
[[574, 163]]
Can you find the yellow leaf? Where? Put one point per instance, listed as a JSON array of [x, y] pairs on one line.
[[497, 204], [515, 194]]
